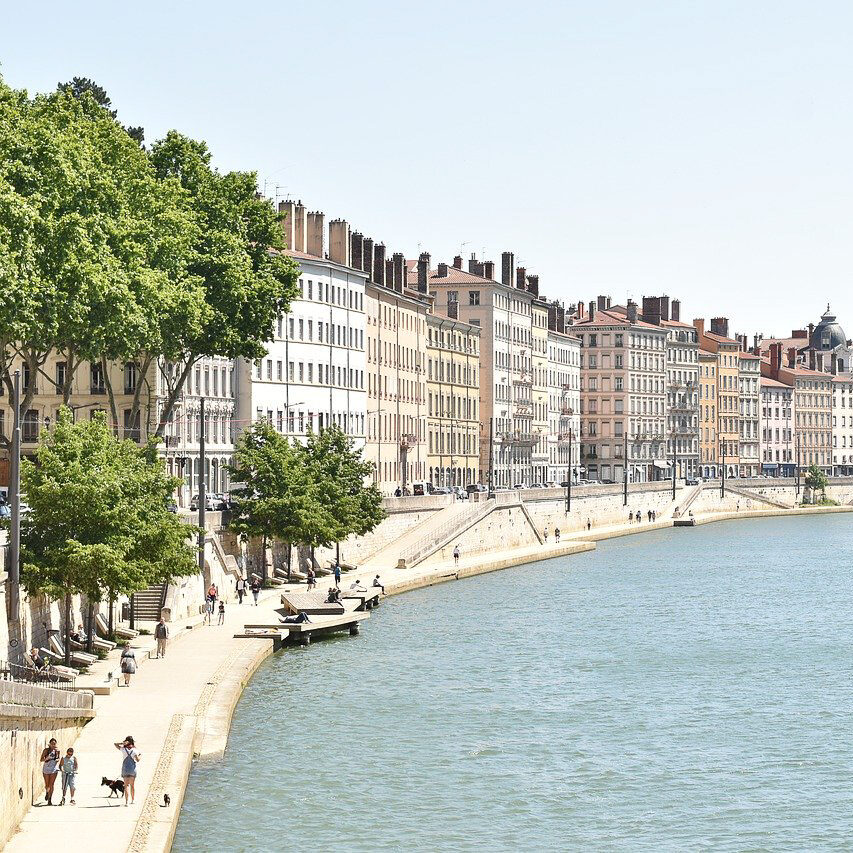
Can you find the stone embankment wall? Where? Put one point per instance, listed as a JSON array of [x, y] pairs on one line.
[[29, 716]]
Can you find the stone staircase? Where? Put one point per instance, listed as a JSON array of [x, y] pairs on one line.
[[744, 493], [684, 505], [148, 603]]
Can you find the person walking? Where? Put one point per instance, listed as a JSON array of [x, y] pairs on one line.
[[49, 768], [221, 613], [131, 756], [312, 578], [589, 524], [241, 589], [161, 635], [128, 663], [69, 775], [456, 555], [337, 574], [649, 515], [556, 534], [255, 586]]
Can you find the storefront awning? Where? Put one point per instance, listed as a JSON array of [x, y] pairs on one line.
[[664, 466]]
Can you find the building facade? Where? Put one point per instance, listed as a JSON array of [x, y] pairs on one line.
[[539, 359], [749, 377], [708, 444], [842, 426], [453, 402], [777, 425], [563, 400]]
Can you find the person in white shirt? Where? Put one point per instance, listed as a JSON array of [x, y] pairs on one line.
[[357, 587]]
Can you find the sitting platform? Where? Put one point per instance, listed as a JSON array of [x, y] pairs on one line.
[[310, 603]]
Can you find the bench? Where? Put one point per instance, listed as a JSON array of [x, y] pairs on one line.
[[310, 603], [119, 631], [367, 599]]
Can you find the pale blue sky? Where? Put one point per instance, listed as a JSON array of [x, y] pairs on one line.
[[699, 149]]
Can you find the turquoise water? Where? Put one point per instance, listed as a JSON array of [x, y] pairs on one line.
[[681, 689]]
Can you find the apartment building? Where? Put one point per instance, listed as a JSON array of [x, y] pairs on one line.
[[726, 350], [539, 359], [749, 377], [682, 383], [842, 425], [777, 424], [563, 398], [623, 391], [453, 401], [708, 444]]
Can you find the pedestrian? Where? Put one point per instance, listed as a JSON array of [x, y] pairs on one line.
[[255, 586], [241, 588], [546, 535], [654, 515], [49, 768], [378, 583], [161, 635], [131, 756], [456, 555], [556, 534], [312, 578], [357, 587], [221, 613], [649, 513], [213, 593], [128, 663], [337, 573], [588, 524], [69, 775], [208, 609]]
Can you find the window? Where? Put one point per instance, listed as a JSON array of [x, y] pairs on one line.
[[30, 426], [96, 379], [473, 297], [61, 368], [131, 425], [130, 377]]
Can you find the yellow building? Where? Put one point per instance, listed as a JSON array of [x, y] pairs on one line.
[[708, 463], [453, 401]]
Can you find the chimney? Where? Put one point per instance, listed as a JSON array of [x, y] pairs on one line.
[[591, 309], [379, 264], [521, 278], [833, 369], [356, 250], [339, 242], [285, 209], [300, 228], [489, 270], [581, 309], [632, 311], [799, 333], [423, 272], [389, 273], [720, 326], [475, 267], [457, 262], [651, 310], [367, 257], [315, 239], [812, 360], [602, 303], [741, 339], [811, 330], [507, 267], [533, 284], [792, 357], [442, 271], [399, 271], [675, 312], [664, 308], [775, 360]]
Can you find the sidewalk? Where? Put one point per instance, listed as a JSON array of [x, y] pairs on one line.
[[159, 710]]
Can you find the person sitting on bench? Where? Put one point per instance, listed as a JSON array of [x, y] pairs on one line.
[[39, 662], [378, 583], [334, 596]]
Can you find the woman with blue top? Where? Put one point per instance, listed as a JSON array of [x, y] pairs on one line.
[[131, 756], [69, 774]]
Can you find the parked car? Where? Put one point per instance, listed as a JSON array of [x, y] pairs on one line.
[[421, 488], [476, 487], [564, 484], [519, 486], [171, 506], [550, 485], [692, 481], [209, 504], [538, 486], [609, 482], [5, 511], [441, 490]]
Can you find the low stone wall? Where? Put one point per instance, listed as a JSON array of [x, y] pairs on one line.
[[29, 716]]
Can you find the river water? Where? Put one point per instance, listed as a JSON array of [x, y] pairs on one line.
[[681, 689]]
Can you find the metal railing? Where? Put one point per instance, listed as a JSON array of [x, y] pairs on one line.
[[434, 540], [47, 677]]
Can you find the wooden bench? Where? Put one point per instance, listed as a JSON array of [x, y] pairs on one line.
[[303, 631], [367, 599], [310, 603]]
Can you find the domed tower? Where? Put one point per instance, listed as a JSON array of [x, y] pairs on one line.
[[828, 334]]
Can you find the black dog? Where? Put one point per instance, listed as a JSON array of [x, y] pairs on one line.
[[167, 800], [116, 786]]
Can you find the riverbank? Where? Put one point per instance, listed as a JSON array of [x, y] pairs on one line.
[[180, 708]]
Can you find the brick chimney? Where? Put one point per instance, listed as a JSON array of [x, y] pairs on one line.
[[356, 250], [423, 272], [442, 271], [367, 258], [339, 242], [533, 284], [316, 234], [300, 227], [521, 278], [602, 303], [720, 326], [285, 210], [675, 312], [507, 268], [792, 357], [699, 325], [489, 270], [632, 311], [799, 333], [475, 267], [379, 264], [457, 262], [775, 360], [651, 310], [389, 273], [591, 309], [399, 263]]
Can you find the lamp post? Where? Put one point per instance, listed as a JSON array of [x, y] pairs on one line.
[[674, 460], [569, 479], [625, 477], [798, 465], [15, 502], [723, 481]]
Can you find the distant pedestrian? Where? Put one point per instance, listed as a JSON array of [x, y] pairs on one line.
[[556, 534], [588, 524], [69, 775], [312, 579], [654, 515], [649, 513], [131, 756], [161, 635], [208, 609], [337, 571], [221, 613], [546, 535], [398, 492], [255, 586], [456, 555], [49, 768], [128, 663], [378, 583], [241, 588]]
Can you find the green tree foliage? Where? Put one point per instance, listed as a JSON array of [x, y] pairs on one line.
[[77, 86], [98, 523], [816, 480], [246, 282]]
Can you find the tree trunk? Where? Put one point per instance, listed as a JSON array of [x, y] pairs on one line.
[[112, 599], [174, 394], [112, 398], [90, 628], [132, 602], [67, 609], [264, 558], [289, 559]]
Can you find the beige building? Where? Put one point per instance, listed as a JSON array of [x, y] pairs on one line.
[[539, 361], [708, 444], [749, 378], [563, 398], [453, 401]]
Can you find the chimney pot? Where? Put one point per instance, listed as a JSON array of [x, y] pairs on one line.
[[675, 313], [442, 271], [507, 268], [489, 270], [457, 262], [423, 272]]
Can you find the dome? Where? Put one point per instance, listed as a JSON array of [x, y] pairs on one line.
[[828, 334]]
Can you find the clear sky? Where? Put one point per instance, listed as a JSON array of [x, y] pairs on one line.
[[698, 149]]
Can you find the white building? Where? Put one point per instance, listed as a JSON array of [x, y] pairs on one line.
[[777, 417], [563, 401], [749, 376], [842, 425]]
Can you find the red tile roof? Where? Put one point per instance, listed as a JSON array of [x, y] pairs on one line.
[[773, 383]]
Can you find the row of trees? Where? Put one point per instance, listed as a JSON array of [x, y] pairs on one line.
[[311, 494], [113, 252], [98, 523]]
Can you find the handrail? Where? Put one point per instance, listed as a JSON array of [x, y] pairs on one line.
[[47, 677], [415, 552]]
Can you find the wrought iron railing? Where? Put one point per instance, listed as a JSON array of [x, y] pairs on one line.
[[47, 677]]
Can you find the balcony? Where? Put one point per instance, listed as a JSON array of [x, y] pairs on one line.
[[518, 438], [408, 441]]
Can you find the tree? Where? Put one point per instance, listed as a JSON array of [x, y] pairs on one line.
[[98, 522], [272, 489], [246, 282], [77, 86], [816, 480]]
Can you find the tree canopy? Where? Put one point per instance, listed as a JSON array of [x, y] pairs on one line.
[[816, 480]]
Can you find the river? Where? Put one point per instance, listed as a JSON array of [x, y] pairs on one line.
[[679, 689]]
